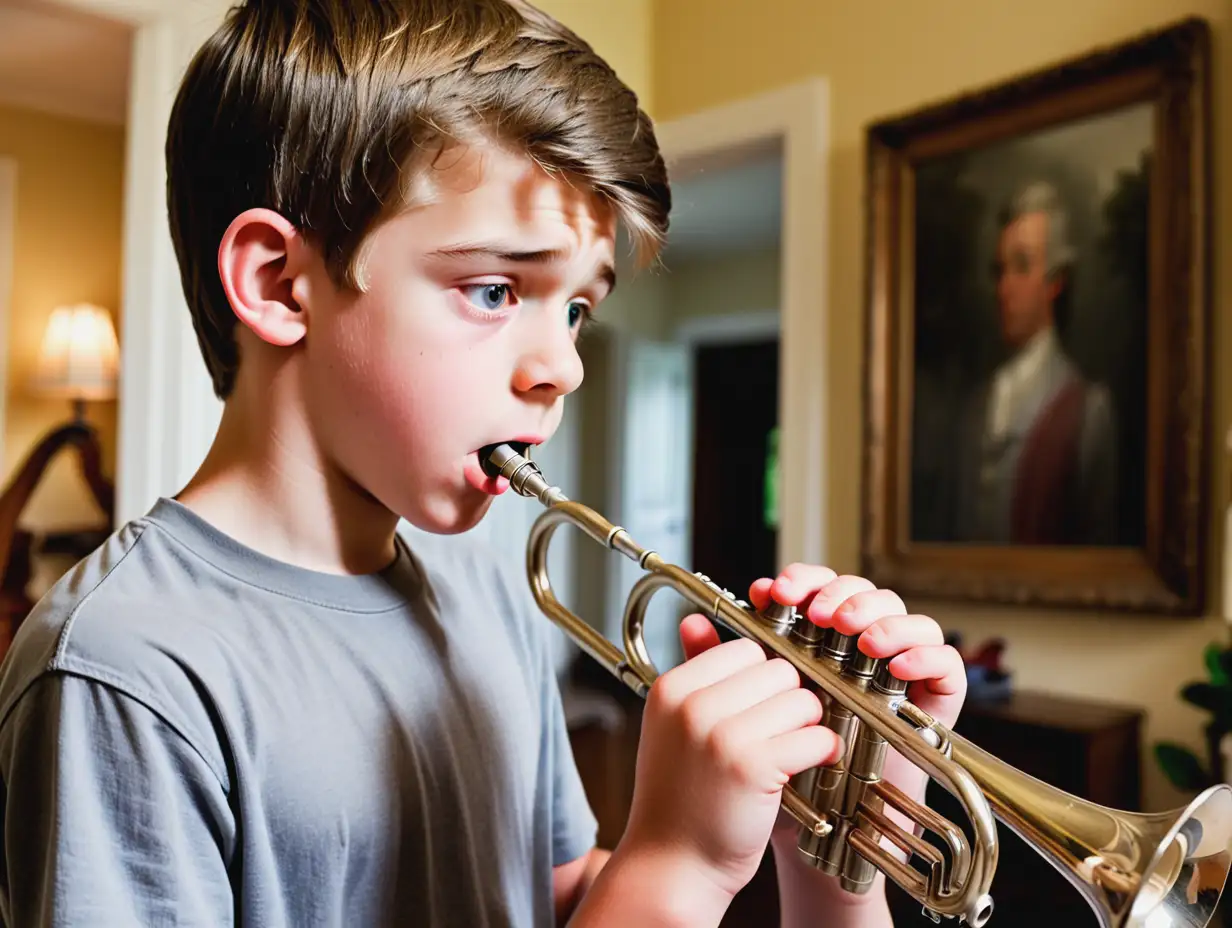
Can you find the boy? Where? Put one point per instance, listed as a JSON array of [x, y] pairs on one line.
[[259, 704]]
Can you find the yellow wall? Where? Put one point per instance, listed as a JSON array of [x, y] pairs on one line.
[[882, 58], [738, 282], [67, 249], [619, 30]]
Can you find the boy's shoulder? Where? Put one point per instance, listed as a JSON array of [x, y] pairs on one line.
[[110, 620]]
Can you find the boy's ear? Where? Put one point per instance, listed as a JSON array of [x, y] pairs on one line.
[[256, 262]]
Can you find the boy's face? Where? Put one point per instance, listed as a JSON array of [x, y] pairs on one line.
[[464, 337]]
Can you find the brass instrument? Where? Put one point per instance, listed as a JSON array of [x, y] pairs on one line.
[[1133, 869]]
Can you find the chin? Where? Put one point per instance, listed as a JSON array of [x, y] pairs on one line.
[[449, 515]]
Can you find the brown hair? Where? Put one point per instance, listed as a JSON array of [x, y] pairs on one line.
[[322, 110]]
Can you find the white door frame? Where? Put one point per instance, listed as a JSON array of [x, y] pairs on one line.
[[797, 117], [8, 242], [729, 328], [167, 410]]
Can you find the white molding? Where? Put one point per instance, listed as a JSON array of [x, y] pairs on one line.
[[84, 108], [8, 244], [167, 411], [729, 328], [798, 118]]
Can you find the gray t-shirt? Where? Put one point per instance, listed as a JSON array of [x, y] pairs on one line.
[[192, 733]]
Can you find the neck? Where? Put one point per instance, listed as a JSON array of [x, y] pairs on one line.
[[1034, 343], [268, 484]]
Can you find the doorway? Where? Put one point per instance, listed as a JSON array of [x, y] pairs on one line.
[[735, 499], [725, 347]]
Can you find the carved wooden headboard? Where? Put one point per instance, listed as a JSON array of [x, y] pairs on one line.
[[16, 545]]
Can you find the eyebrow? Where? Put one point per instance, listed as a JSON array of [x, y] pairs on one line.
[[497, 252]]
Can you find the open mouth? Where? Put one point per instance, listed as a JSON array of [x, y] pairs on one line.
[[485, 455]]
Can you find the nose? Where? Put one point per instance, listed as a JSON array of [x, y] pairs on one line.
[[549, 365]]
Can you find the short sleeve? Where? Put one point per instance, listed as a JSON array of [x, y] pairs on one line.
[[109, 817], [574, 826]]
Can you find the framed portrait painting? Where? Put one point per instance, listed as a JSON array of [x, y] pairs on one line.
[[1037, 332]]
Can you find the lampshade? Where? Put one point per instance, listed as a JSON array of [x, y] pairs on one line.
[[80, 356]]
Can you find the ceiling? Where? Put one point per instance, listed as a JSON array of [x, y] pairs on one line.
[[732, 208], [66, 61], [63, 61]]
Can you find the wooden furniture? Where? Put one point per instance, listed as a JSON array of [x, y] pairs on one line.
[[1087, 748], [17, 547]]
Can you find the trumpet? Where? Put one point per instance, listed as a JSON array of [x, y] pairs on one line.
[[1152, 870]]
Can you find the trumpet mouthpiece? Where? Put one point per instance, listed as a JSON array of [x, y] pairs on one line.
[[522, 473], [495, 458]]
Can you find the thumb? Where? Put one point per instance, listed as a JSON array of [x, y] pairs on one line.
[[697, 634]]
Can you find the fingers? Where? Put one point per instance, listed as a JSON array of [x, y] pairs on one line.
[[697, 634], [939, 667], [891, 634], [765, 690], [803, 749], [937, 680], [707, 668], [852, 604], [747, 688], [792, 587], [767, 719], [775, 739], [759, 592]]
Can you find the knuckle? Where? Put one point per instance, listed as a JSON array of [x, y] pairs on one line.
[[894, 603], [746, 651], [746, 770], [722, 748], [729, 756], [861, 598], [665, 693], [888, 625], [784, 673], [695, 719], [856, 583], [811, 703]]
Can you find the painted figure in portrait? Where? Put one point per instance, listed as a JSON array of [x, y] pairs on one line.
[[1030, 293]]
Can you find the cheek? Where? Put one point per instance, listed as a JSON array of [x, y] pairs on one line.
[[402, 374]]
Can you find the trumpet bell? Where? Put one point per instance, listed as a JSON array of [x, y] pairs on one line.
[[1180, 885], [1134, 869]]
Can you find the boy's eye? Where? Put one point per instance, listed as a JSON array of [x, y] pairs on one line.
[[487, 296], [577, 314]]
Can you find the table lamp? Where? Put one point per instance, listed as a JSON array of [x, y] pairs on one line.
[[79, 358], [79, 361]]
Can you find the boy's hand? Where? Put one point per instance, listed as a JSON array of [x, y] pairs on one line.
[[937, 680], [937, 683], [721, 735]]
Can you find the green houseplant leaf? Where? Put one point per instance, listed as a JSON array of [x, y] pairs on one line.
[[1215, 658], [1225, 663], [1181, 766], [1214, 699]]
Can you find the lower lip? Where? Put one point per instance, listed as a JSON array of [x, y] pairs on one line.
[[473, 471]]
